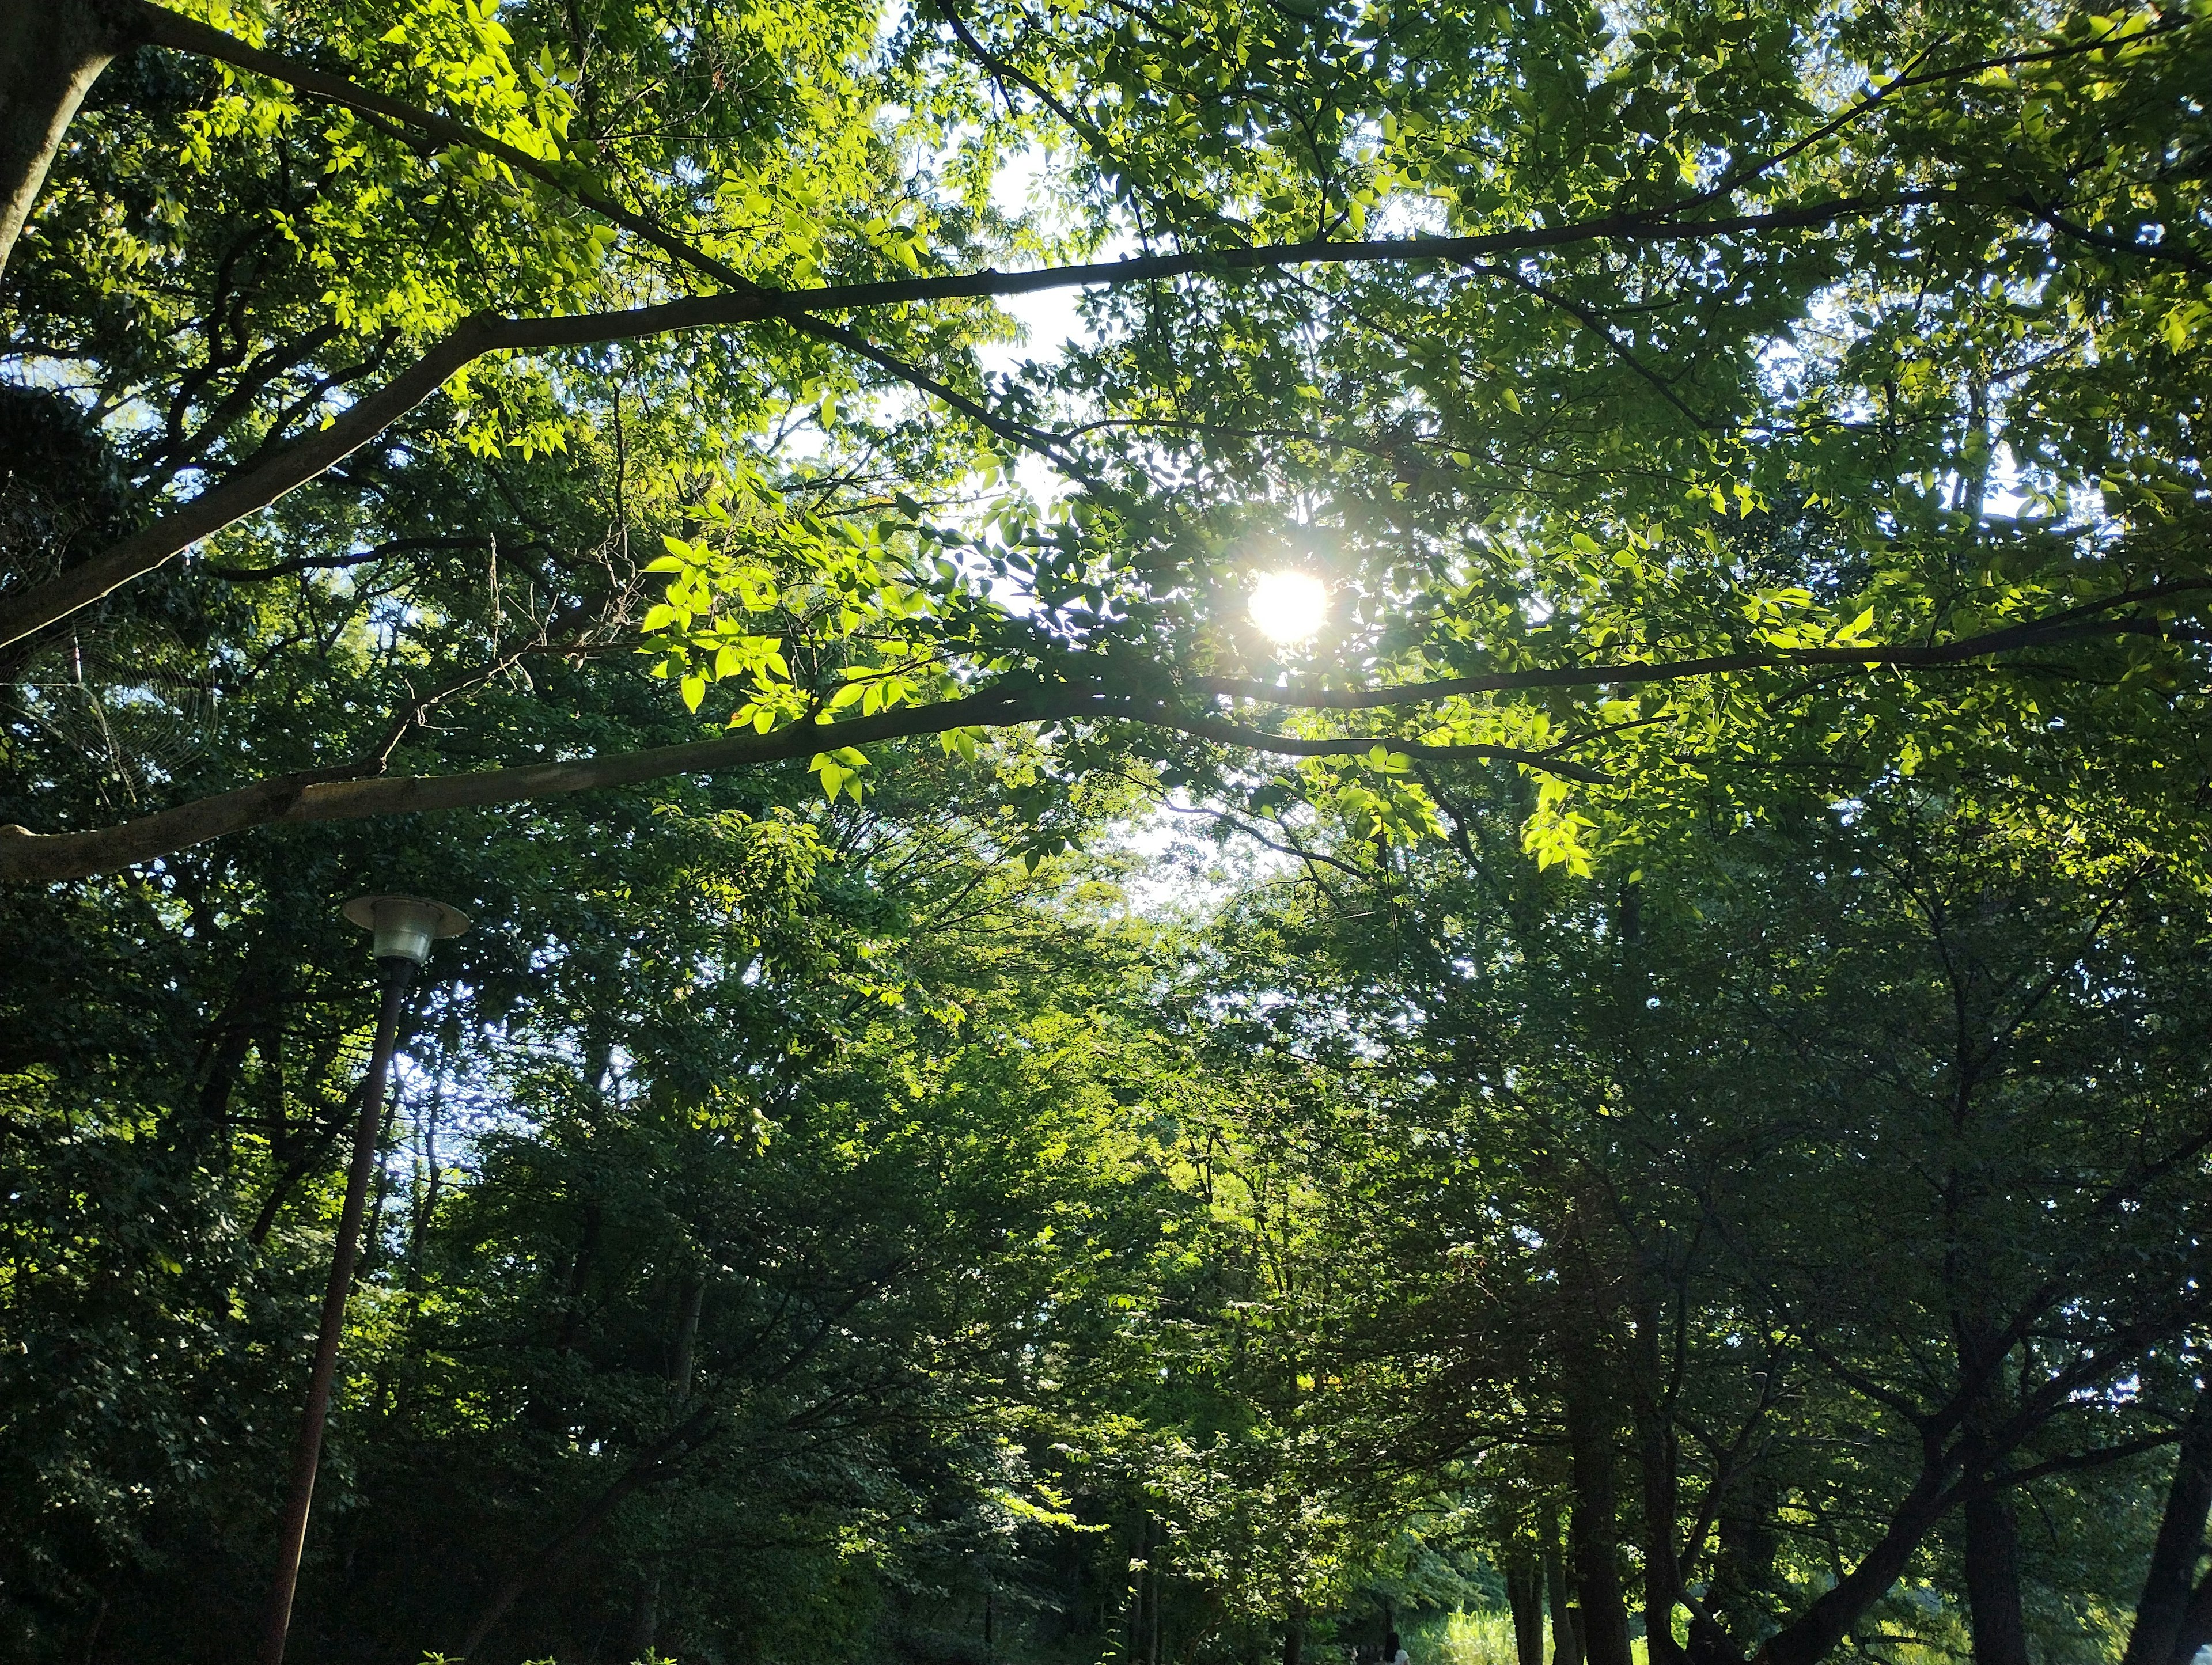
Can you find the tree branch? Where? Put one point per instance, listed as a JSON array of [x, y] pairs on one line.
[[248, 490], [316, 796], [1597, 326], [1255, 739], [308, 564], [164, 28], [300, 460], [649, 1466], [1015, 433], [2035, 632]]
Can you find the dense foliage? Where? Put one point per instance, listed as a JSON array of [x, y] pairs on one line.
[[1660, 1090]]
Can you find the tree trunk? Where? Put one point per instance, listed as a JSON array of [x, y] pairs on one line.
[[1152, 1577], [650, 1466], [1993, 1609], [1594, 1527], [645, 1610], [644, 1617], [2196, 1625], [1743, 1573], [1992, 1535], [51, 52], [1566, 1628], [1659, 1459], [1294, 1634], [2164, 1603], [579, 1278], [1524, 1595], [1141, 1617], [202, 1131], [1814, 1634]]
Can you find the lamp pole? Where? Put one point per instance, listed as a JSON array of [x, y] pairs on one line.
[[405, 928]]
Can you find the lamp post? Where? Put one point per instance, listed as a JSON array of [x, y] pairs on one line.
[[405, 928]]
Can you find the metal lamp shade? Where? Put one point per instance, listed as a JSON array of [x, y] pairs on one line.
[[406, 926]]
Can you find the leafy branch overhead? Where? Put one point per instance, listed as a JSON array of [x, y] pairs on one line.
[[1626, 388]]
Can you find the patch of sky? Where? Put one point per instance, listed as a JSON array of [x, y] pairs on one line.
[[1188, 864]]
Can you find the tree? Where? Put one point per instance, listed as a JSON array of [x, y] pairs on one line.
[[717, 1248], [1625, 271], [1705, 1118], [1812, 1191]]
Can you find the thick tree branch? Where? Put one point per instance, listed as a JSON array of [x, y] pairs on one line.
[[246, 491], [315, 796], [2175, 253], [25, 855], [1814, 1633], [2070, 626], [167, 29], [654, 1464], [1254, 739], [302, 460], [51, 54]]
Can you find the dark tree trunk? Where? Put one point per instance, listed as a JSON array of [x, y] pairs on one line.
[[1524, 1595], [2196, 1625], [644, 1617], [1590, 1400], [1659, 1459], [203, 1131], [1294, 1634], [1743, 1573], [51, 52], [1143, 1600], [1153, 1578], [1993, 1609], [1595, 1524], [1992, 1534], [2164, 1603], [579, 1279], [645, 1609], [1566, 1625]]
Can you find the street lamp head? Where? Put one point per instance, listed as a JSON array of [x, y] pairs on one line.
[[406, 926]]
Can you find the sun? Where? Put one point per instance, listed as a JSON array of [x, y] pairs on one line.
[[1289, 607]]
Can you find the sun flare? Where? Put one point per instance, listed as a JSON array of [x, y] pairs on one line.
[[1289, 607]]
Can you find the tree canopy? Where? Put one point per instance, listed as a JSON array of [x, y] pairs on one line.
[[1639, 1069], [1616, 372]]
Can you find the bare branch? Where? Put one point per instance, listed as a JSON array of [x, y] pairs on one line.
[[308, 564]]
